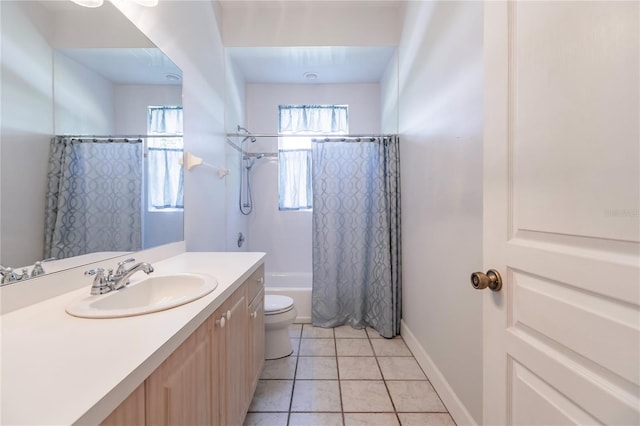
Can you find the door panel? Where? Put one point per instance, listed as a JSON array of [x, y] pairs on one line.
[[574, 105], [562, 212], [535, 399]]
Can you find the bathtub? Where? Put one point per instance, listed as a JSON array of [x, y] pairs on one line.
[[296, 285]]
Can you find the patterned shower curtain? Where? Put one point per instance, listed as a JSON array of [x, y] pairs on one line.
[[93, 200], [356, 234]]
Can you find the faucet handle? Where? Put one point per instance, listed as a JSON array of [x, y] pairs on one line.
[[8, 275], [100, 284], [37, 269], [121, 269]]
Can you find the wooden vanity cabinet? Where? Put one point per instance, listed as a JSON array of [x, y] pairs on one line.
[[210, 379], [255, 358], [130, 412], [230, 342], [179, 391]]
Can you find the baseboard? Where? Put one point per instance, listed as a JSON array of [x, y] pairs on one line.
[[302, 320], [457, 410]]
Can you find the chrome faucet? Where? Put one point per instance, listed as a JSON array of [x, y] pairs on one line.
[[115, 281], [9, 276], [122, 274], [37, 269]]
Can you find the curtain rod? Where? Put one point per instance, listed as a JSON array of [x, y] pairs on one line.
[[305, 135], [119, 136]]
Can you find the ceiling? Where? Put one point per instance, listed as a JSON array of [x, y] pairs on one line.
[[332, 64], [127, 65], [270, 65]]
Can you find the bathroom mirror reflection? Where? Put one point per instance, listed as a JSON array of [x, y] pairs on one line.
[[82, 73]]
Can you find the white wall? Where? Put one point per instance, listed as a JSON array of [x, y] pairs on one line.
[[440, 123], [26, 128], [235, 112], [187, 32], [286, 235], [84, 100]]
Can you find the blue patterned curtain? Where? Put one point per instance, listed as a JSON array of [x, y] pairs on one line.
[[93, 200], [356, 235]]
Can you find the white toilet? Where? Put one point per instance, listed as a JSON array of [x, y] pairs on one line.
[[279, 313]]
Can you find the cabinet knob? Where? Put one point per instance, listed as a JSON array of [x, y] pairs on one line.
[[221, 322], [228, 314], [254, 314], [260, 280]]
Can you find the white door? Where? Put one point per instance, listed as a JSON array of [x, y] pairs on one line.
[[561, 213]]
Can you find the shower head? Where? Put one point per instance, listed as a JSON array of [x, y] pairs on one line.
[[242, 129]]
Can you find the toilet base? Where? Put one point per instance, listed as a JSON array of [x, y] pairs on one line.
[[277, 340]]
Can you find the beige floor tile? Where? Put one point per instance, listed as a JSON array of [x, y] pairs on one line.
[[283, 368], [370, 419], [348, 332], [426, 419], [316, 395], [309, 331], [400, 368], [415, 396], [295, 345], [266, 419], [317, 347], [272, 395], [315, 419], [317, 368], [390, 347], [358, 368], [295, 330], [353, 347], [365, 396], [373, 333]]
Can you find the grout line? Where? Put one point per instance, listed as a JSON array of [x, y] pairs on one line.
[[335, 344], [295, 373], [384, 380]]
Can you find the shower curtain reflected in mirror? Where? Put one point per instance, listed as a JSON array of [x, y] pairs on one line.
[[356, 234], [93, 200]]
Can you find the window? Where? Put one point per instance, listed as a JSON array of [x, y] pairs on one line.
[[165, 186], [294, 153]]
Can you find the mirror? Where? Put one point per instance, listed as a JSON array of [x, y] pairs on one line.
[[70, 70]]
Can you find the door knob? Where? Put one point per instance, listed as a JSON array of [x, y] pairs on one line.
[[491, 279]]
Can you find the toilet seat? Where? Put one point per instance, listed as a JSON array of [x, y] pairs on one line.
[[275, 304]]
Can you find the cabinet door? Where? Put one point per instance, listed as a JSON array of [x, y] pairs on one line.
[[179, 391], [256, 345], [231, 341], [130, 412], [237, 342]]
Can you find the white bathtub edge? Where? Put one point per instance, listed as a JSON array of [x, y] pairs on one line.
[[301, 300]]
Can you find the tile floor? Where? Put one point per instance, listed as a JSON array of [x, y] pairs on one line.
[[345, 377]]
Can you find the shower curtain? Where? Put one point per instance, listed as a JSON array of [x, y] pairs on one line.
[[356, 234], [93, 199]]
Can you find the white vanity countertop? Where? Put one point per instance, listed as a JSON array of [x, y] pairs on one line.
[[57, 369]]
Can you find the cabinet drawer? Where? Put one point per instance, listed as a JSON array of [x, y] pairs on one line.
[[255, 283]]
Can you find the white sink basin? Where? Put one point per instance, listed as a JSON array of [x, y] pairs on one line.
[[150, 294]]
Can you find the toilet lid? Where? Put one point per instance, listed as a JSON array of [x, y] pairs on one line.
[[276, 304]]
